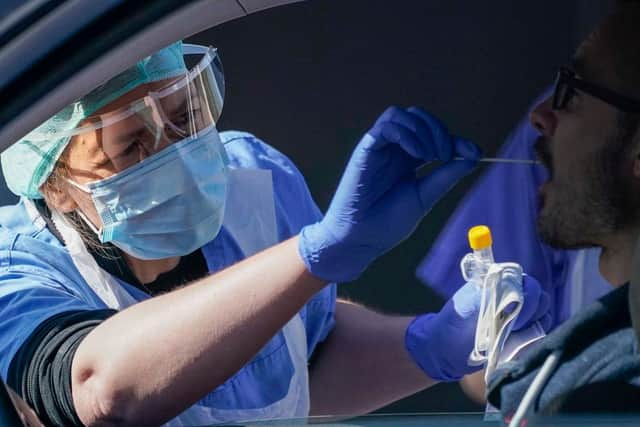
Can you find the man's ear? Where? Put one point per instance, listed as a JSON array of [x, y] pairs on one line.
[[58, 198]]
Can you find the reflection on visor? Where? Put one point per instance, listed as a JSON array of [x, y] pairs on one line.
[[187, 106]]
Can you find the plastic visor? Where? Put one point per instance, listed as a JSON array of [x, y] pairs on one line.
[[180, 110]]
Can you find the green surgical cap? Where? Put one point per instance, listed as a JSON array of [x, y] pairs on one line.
[[27, 164]]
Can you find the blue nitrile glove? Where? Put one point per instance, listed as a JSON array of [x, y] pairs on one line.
[[440, 343], [380, 201]]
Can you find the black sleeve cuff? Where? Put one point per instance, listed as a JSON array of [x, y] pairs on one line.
[[41, 370]]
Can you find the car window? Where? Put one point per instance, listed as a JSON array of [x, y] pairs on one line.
[[314, 94]]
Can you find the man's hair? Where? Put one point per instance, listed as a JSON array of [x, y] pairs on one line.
[[620, 33], [618, 38]]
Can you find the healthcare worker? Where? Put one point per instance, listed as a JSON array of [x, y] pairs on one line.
[[131, 193]]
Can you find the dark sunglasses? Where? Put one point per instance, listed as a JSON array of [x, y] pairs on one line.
[[567, 83]]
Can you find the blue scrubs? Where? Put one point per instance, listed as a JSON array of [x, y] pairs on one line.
[[506, 199], [38, 279]]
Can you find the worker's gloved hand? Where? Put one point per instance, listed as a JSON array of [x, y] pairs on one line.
[[440, 343], [380, 201]]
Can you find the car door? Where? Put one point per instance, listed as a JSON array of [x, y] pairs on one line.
[[54, 51]]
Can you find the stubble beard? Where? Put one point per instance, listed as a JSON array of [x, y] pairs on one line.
[[582, 213]]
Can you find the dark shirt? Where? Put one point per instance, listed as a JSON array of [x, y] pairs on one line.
[[597, 350]]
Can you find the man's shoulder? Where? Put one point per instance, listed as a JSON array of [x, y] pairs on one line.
[[597, 344]]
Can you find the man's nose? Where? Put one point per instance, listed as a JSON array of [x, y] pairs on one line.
[[543, 118]]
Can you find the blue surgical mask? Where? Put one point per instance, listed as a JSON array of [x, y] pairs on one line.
[[168, 205]]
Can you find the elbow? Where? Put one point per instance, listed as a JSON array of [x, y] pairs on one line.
[[99, 403]]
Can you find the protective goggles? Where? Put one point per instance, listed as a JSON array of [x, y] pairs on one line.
[[567, 83], [185, 107]]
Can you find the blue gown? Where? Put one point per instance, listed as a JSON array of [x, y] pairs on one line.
[[38, 279]]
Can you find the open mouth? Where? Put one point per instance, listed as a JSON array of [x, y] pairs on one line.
[[543, 153]]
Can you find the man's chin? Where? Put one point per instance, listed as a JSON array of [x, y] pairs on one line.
[[559, 235], [544, 196]]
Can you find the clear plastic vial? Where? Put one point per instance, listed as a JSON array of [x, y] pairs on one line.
[[476, 264]]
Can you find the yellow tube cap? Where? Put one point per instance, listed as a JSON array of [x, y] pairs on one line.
[[480, 237]]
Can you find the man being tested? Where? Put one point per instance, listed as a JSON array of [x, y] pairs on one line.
[[590, 145], [507, 199], [131, 193]]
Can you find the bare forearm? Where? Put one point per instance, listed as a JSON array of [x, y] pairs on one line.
[[474, 387], [153, 360], [363, 365]]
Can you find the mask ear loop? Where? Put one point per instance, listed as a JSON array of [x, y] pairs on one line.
[[78, 211], [89, 223]]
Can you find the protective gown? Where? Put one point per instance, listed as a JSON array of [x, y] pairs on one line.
[[38, 280]]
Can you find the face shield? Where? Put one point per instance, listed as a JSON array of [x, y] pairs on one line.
[[186, 107], [156, 167]]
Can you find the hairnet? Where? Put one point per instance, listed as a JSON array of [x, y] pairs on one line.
[[27, 164]]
